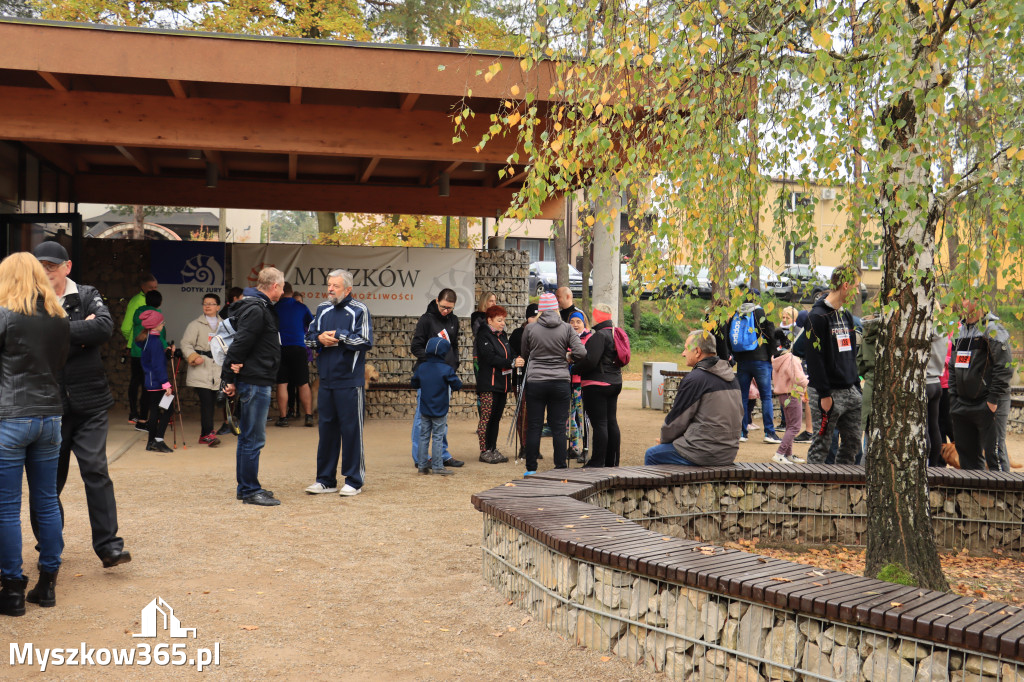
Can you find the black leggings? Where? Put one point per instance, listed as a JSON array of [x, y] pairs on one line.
[[600, 404], [207, 399], [138, 399], [552, 396], [490, 405], [934, 433], [157, 424], [945, 422]]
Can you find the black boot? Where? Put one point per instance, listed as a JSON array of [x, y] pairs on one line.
[[12, 596], [44, 593]]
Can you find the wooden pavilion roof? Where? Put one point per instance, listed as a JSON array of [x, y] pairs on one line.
[[135, 116]]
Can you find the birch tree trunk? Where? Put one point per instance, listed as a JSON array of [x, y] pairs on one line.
[[899, 526]]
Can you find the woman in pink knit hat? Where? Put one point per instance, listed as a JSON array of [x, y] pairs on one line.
[[156, 383], [547, 385]]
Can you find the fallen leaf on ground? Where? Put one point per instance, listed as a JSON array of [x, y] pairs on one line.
[[510, 485], [248, 627], [895, 604], [525, 620], [569, 525], [781, 580], [605, 659]]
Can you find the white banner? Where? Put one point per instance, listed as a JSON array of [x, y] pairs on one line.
[[391, 281]]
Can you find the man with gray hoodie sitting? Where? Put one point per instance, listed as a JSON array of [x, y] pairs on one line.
[[548, 347], [702, 428]]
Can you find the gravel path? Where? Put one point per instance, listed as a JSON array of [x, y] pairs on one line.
[[385, 585]]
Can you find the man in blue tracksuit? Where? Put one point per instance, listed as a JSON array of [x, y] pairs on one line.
[[342, 333]]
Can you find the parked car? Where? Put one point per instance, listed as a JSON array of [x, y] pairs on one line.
[[544, 279], [683, 282], [806, 283], [740, 279]]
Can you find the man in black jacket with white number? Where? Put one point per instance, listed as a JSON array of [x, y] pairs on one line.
[[86, 401]]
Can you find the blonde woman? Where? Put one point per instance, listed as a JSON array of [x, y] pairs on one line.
[[34, 344], [479, 317]]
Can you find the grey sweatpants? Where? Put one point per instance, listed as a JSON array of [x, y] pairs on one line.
[[845, 416]]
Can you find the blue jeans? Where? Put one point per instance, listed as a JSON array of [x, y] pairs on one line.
[[32, 443], [432, 430], [665, 453], [253, 406], [416, 433], [761, 372]]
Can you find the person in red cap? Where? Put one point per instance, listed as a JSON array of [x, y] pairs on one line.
[[156, 383]]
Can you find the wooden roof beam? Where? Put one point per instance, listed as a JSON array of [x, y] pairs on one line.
[[294, 95], [367, 168], [293, 166], [351, 197], [103, 118], [179, 89], [214, 156], [140, 158], [57, 81], [407, 101], [59, 155]]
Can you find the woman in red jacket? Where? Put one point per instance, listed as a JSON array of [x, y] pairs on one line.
[[493, 381]]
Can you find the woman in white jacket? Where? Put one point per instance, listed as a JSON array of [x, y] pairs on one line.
[[203, 373]]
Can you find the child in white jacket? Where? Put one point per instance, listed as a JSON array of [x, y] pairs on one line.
[[789, 383]]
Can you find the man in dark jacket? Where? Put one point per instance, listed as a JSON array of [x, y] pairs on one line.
[[439, 320], [86, 401], [702, 428], [831, 355], [341, 332], [566, 307], [980, 369], [250, 370], [751, 340]]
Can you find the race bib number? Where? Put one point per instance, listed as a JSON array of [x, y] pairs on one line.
[[843, 341], [444, 335], [963, 359], [506, 372]]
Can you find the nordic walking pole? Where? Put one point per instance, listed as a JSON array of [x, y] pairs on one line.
[[177, 403]]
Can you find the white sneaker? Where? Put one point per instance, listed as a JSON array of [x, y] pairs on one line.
[[774, 440], [781, 458], [752, 427], [319, 488], [743, 439], [348, 491], [797, 460]]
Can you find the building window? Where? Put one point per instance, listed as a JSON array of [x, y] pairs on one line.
[[872, 258], [800, 201], [798, 253]]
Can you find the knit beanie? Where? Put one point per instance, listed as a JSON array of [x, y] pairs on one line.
[[150, 319], [531, 310], [547, 302]]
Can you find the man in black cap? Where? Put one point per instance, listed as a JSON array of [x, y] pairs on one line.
[[86, 401]]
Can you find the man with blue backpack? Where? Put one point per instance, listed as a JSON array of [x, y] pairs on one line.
[[751, 341]]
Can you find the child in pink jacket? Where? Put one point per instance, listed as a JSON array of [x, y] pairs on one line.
[[789, 383]]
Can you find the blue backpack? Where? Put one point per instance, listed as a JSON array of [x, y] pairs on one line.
[[743, 332]]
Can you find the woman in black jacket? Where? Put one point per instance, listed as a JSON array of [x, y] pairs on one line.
[[601, 379], [34, 343], [493, 381], [487, 300]]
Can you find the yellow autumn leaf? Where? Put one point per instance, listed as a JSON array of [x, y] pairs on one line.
[[1019, 155], [605, 96], [648, 59], [514, 90], [821, 38], [514, 118], [488, 76], [723, 8], [590, 220]]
